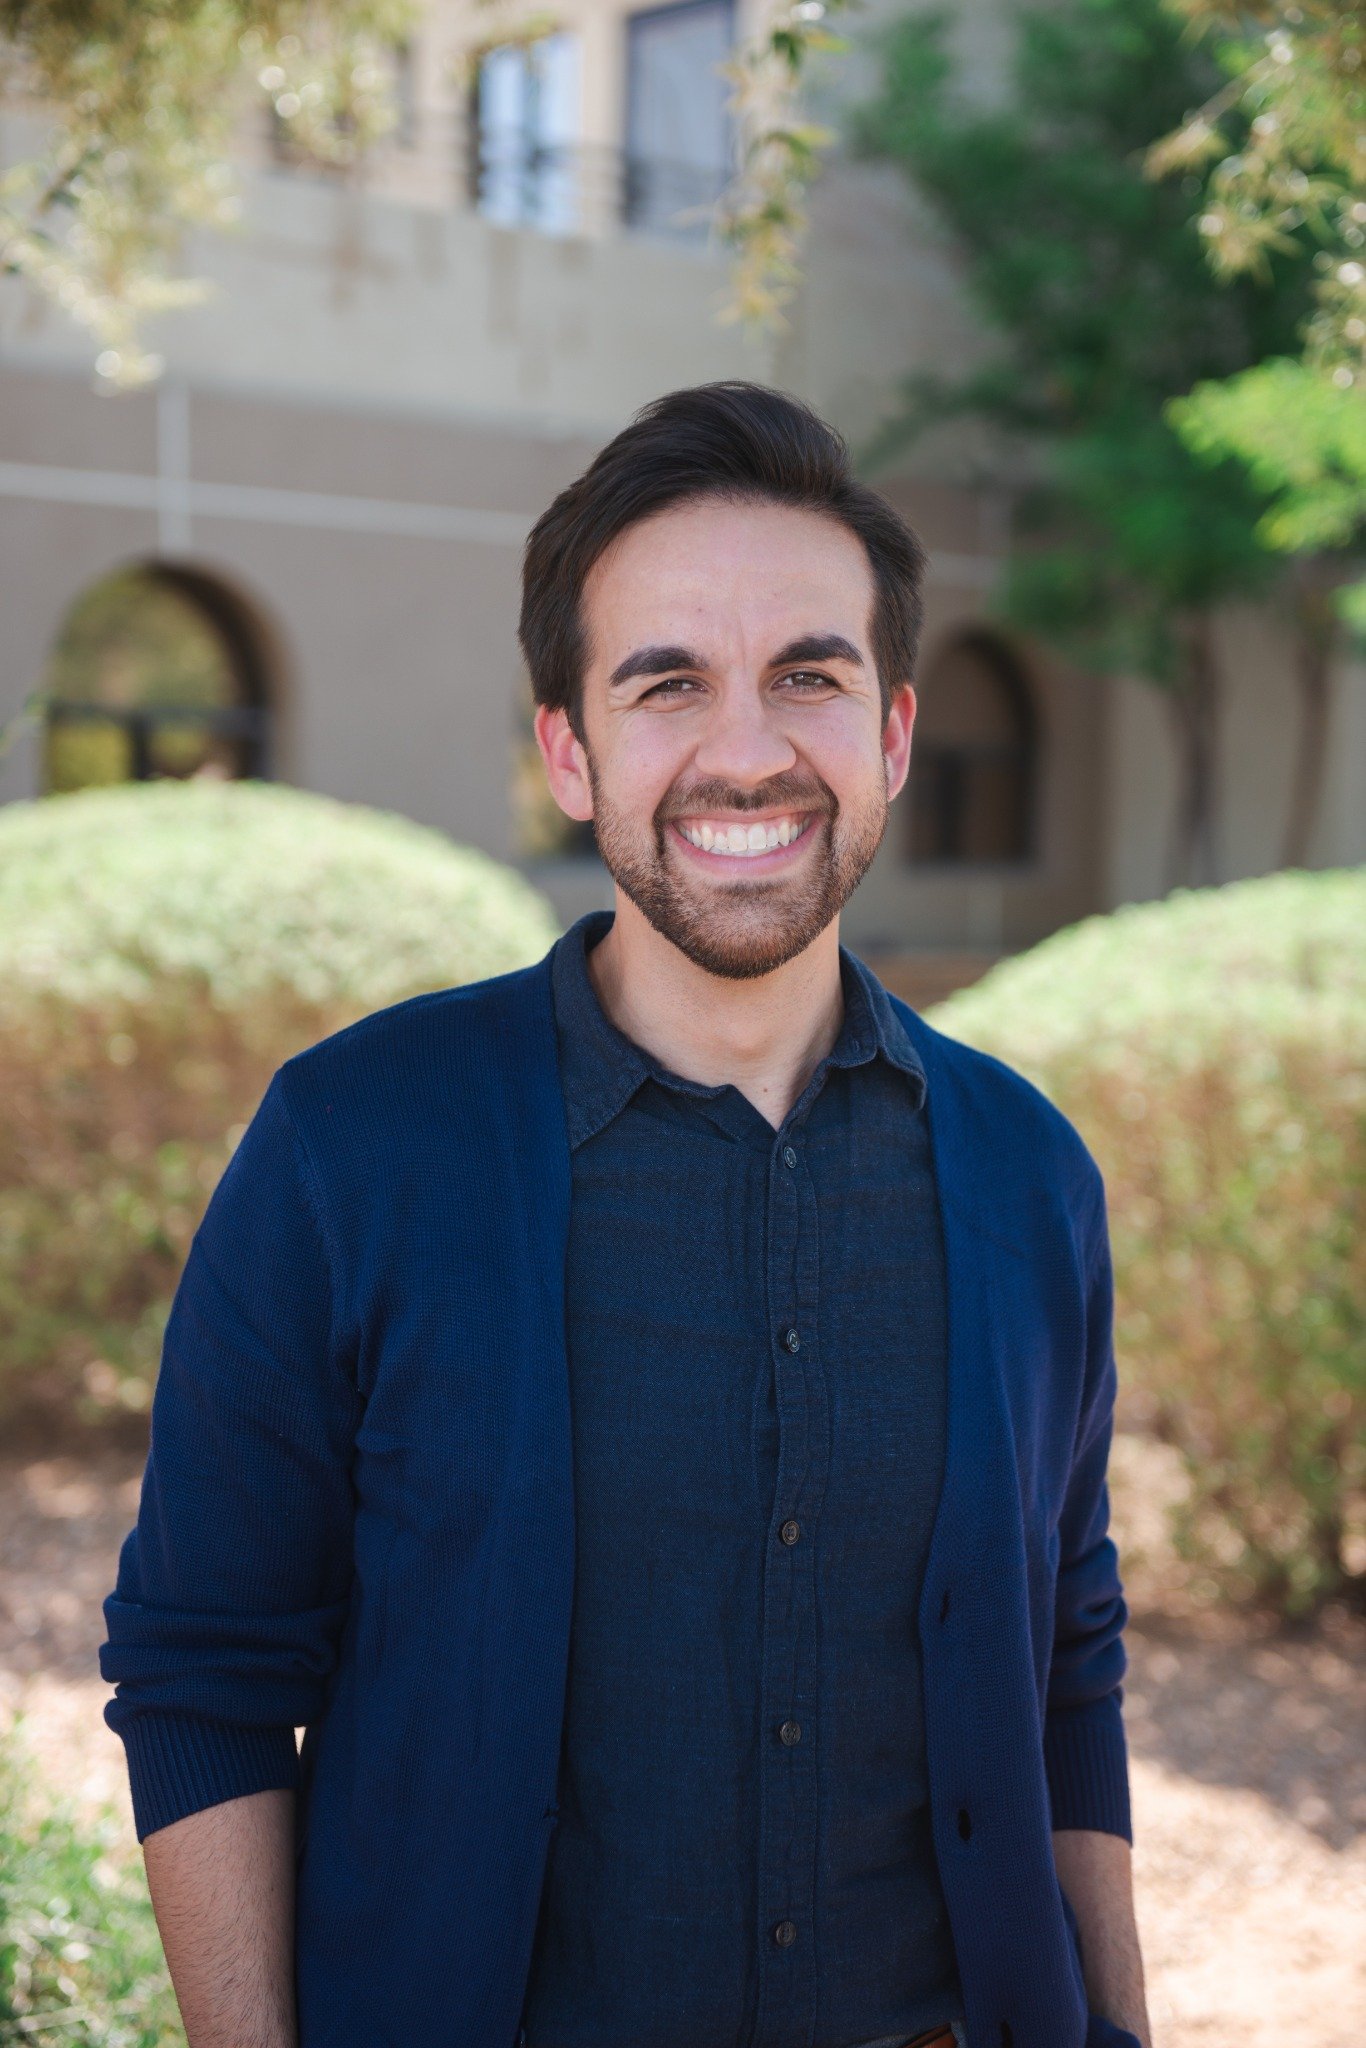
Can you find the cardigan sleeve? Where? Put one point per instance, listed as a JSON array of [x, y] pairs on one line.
[[232, 1587], [1085, 1751]]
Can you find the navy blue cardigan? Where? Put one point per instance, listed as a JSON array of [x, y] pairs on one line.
[[357, 1518]]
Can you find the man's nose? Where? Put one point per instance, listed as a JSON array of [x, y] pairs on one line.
[[744, 741]]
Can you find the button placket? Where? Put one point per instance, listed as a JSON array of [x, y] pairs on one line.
[[787, 1975]]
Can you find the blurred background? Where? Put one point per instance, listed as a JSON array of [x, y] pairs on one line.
[[306, 312]]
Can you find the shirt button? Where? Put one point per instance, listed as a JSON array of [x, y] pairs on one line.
[[790, 1531], [792, 1340], [785, 1934], [789, 1156], [791, 1733]]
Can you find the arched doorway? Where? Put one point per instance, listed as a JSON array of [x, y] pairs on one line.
[[157, 671], [973, 758]]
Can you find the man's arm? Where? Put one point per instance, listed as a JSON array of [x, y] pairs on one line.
[[1085, 1752], [1096, 1872], [234, 1586], [222, 1885]]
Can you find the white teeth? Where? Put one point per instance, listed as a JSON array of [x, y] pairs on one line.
[[743, 840]]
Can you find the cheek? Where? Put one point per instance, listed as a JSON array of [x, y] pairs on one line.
[[643, 764], [849, 757]]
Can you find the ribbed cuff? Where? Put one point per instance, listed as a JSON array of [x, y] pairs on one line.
[[1086, 1758], [179, 1763]]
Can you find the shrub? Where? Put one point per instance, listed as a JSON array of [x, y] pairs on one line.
[[163, 947], [81, 1962], [1212, 1051]]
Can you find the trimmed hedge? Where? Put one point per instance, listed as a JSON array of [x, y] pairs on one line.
[[163, 947], [1211, 1049]]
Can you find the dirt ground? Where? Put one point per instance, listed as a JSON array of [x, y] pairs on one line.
[[1248, 1752]]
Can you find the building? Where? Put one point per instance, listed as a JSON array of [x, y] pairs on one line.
[[351, 438]]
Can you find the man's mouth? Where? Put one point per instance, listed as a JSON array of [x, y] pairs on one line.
[[743, 841]]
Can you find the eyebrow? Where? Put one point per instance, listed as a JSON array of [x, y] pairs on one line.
[[654, 661], [658, 661], [817, 647]]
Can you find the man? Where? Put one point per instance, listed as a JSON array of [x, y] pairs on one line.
[[646, 1417]]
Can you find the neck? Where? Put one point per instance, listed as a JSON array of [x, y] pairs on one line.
[[766, 1035]]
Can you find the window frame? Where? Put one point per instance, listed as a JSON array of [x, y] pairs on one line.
[[249, 722], [631, 23], [539, 156]]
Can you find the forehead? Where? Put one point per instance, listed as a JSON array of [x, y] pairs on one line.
[[714, 566]]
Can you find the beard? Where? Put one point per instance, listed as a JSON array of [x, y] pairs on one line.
[[740, 929]]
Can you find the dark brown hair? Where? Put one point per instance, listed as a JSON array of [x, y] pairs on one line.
[[734, 440]]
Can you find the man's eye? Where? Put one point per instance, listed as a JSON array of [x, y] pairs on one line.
[[670, 684], [809, 677]]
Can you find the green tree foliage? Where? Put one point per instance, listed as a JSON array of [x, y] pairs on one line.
[[163, 947], [1304, 439], [1099, 307], [137, 101], [1212, 1052], [1301, 437], [1282, 145]]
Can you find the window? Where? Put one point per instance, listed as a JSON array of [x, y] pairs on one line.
[[972, 757], [153, 675], [679, 140], [524, 128]]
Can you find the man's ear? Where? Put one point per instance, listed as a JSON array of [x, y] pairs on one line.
[[566, 763], [896, 739]]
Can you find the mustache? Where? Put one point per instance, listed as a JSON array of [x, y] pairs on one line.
[[782, 792]]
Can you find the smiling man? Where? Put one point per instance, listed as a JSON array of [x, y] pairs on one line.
[[646, 1417]]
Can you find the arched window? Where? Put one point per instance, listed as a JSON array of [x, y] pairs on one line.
[[972, 757], [157, 671]]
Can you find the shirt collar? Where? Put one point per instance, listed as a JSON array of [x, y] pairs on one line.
[[601, 1068]]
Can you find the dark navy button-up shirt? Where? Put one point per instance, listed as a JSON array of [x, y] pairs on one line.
[[757, 1346]]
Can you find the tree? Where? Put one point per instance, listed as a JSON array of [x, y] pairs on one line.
[[139, 99], [1296, 84], [761, 216], [1099, 308], [1283, 142]]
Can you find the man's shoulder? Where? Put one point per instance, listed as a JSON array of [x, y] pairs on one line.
[[1000, 1114], [448, 1041]]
